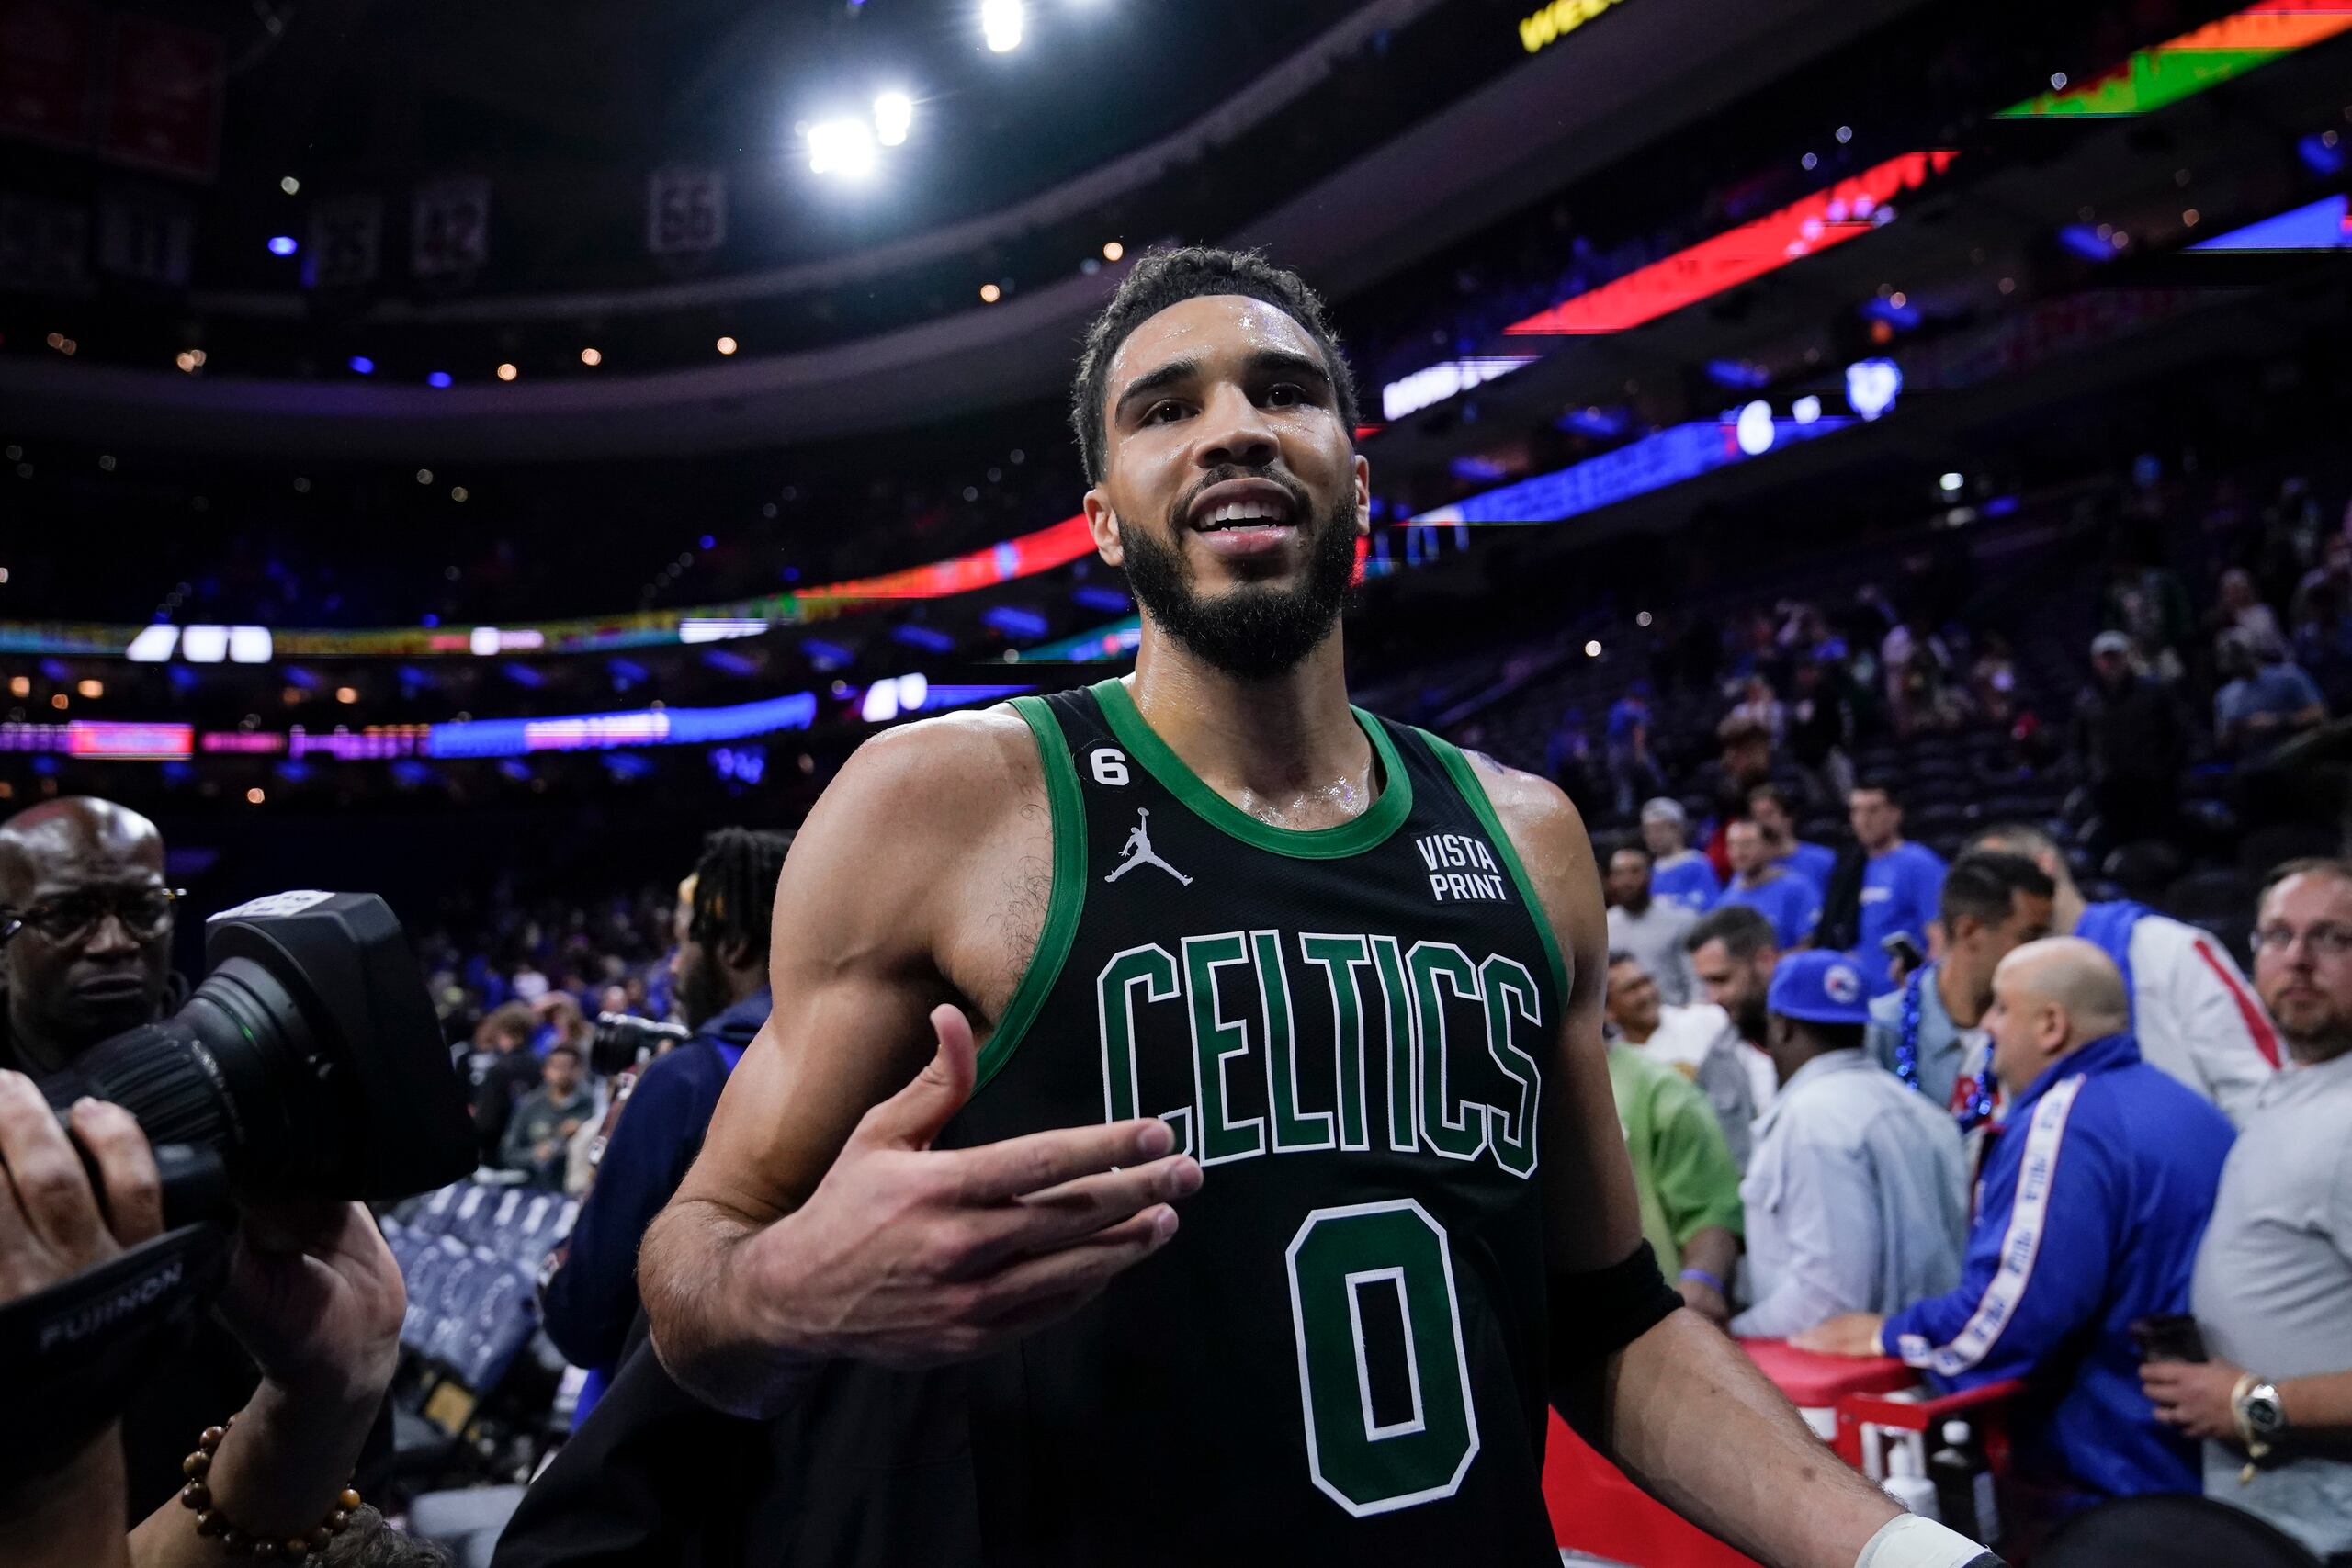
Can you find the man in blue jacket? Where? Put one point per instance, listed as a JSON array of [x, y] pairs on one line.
[[2092, 1200], [588, 1297]]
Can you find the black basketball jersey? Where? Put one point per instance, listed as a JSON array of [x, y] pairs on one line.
[[1340, 1355]]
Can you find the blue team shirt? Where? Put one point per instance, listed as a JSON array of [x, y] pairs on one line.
[[1814, 863], [1899, 893], [1788, 901], [1687, 879]]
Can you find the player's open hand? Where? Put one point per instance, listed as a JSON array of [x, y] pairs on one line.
[[908, 1255]]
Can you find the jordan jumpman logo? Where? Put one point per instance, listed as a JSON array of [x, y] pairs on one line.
[[1137, 850]]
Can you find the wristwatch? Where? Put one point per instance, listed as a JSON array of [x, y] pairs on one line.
[[2260, 1415]]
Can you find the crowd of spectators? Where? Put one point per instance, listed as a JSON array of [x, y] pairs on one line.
[[1811, 1178], [1880, 1028]]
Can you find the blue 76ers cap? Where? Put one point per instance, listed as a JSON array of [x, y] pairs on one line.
[[1819, 987]]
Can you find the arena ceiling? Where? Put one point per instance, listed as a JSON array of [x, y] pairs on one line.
[[558, 97]]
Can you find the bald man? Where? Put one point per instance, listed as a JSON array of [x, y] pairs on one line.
[[306, 1334], [89, 956], [2192, 1011], [81, 884], [2091, 1202]]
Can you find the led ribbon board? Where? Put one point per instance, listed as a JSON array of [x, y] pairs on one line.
[[109, 741], [2324, 225], [1435, 383], [1005, 561], [1849, 209], [1666, 458], [2184, 66]]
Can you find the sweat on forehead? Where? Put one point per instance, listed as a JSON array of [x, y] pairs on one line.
[[1164, 278]]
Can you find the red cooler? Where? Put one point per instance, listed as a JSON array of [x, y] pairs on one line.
[[1597, 1511]]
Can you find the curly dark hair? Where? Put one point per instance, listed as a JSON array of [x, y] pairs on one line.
[[735, 888], [1166, 276]]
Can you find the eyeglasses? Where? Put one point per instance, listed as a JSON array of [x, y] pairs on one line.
[[2326, 939], [75, 918]]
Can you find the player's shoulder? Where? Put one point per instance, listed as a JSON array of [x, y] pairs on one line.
[[951, 771], [1531, 807]]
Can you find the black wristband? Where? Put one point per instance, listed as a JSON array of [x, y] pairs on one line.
[[1599, 1312]]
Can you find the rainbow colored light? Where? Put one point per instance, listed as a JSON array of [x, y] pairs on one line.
[[1004, 561], [2184, 66]]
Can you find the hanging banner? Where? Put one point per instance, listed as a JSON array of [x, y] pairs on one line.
[[449, 229], [49, 56], [164, 93], [685, 210], [145, 236], [347, 242], [44, 246]]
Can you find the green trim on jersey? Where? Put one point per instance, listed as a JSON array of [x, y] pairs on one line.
[[1063, 905], [1464, 774], [1367, 831]]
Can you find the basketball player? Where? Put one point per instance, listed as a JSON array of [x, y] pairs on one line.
[[1328, 982]]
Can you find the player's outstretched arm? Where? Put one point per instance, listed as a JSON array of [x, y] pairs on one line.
[[1678, 1406], [817, 1220]]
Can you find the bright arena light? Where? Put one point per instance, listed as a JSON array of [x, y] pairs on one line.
[[1872, 385], [1112, 250], [1592, 650], [1753, 428], [283, 246], [592, 357], [507, 372], [1001, 22], [1950, 483], [990, 294], [841, 147], [894, 116], [726, 345]]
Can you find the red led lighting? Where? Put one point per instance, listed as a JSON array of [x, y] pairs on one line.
[[130, 742], [1739, 255], [1047, 549]]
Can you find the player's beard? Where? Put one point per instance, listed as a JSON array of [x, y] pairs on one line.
[[1258, 630]]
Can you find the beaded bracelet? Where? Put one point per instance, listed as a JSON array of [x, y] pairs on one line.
[[236, 1542]]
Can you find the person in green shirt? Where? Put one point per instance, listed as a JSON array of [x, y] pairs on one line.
[[1683, 1172]]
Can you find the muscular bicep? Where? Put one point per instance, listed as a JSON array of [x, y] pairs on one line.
[[865, 907], [1592, 1216]]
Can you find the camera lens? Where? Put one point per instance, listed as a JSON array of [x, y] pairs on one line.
[[308, 1060]]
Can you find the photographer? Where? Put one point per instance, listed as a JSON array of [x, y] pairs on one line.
[[720, 971], [54, 1227], [303, 1343]]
